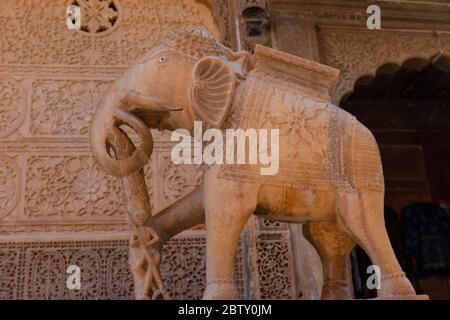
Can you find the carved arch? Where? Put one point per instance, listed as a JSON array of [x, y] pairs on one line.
[[414, 62], [358, 52]]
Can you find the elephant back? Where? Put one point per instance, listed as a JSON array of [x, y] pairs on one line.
[[290, 94]]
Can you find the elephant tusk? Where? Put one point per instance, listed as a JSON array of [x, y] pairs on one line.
[[135, 98]]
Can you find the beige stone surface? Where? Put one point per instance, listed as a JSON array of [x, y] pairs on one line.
[[52, 195], [54, 198]]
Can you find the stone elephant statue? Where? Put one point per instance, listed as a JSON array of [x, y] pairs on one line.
[[329, 177]]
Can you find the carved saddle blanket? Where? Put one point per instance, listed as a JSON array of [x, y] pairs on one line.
[[313, 133]]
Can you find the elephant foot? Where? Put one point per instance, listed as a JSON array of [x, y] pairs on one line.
[[336, 290], [397, 287], [221, 290]]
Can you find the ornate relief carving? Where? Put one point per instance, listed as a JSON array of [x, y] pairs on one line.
[[43, 37], [65, 192], [348, 17], [42, 269], [10, 181], [64, 107], [11, 105], [98, 16], [274, 260], [177, 180], [300, 120], [266, 225], [357, 53], [37, 270], [71, 187], [46, 274], [286, 105], [180, 258], [9, 264]]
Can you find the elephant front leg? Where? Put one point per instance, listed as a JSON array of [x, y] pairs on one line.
[[181, 215], [145, 243], [228, 206]]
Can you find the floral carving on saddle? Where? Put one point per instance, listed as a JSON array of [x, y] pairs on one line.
[[300, 122]]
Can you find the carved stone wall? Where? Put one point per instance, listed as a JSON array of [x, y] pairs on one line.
[[416, 29], [57, 207], [335, 33], [358, 52], [37, 270]]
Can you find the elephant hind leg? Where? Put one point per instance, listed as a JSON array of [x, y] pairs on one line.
[[361, 214], [333, 247]]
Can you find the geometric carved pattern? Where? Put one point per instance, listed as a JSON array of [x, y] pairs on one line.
[[176, 180], [184, 267], [37, 270], [9, 272], [274, 261]]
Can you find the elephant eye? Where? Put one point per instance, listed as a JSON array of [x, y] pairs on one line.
[[162, 59]]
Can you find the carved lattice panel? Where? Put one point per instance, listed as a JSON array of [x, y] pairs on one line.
[[37, 270], [271, 260]]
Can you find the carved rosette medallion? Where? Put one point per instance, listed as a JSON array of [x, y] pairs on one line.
[[98, 16]]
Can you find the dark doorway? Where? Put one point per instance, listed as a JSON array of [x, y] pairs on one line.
[[407, 108]]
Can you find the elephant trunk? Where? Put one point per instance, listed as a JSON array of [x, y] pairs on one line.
[[103, 136]]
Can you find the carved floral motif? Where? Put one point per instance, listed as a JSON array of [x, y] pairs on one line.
[[9, 185], [298, 121], [97, 15], [36, 33], [65, 74], [11, 108], [62, 107], [37, 270], [178, 180], [274, 263], [71, 187]]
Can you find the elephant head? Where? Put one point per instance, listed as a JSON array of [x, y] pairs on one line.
[[187, 76]]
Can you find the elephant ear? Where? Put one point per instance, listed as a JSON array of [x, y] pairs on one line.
[[212, 90]]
